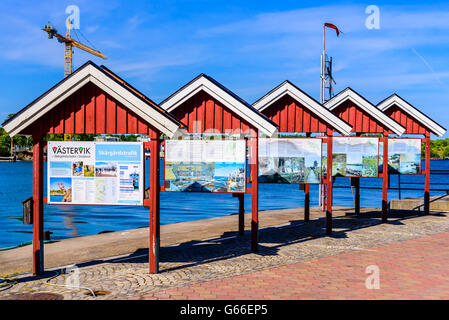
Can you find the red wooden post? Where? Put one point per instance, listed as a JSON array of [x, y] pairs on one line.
[[38, 207], [254, 190], [427, 175], [306, 196], [241, 197], [357, 195], [385, 180], [329, 187], [306, 203], [155, 205], [357, 189]]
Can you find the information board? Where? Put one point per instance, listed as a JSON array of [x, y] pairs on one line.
[[355, 157], [404, 156], [205, 165], [289, 160], [95, 173]]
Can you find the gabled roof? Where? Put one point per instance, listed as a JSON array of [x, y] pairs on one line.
[[110, 83], [288, 88], [365, 105], [225, 97], [395, 99]]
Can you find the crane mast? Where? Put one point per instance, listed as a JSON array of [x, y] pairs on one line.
[[69, 43]]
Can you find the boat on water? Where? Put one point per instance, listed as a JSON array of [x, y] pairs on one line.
[[8, 159]]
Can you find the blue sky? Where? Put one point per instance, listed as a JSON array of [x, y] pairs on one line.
[[249, 46]]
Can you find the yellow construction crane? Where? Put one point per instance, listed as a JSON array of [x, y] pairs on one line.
[[69, 43]]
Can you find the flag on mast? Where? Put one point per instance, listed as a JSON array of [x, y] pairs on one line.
[[333, 26]]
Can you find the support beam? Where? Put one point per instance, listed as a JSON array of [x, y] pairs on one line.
[[357, 190], [427, 174], [357, 195], [329, 187], [254, 190], [241, 197], [385, 180], [306, 203], [155, 205], [38, 205]]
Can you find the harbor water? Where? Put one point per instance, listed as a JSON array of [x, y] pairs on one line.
[[66, 221]]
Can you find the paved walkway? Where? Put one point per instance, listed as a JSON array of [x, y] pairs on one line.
[[100, 246], [296, 260], [411, 269]]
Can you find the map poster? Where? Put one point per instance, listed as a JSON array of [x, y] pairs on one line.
[[95, 173], [285, 160], [404, 156], [205, 165], [355, 156]]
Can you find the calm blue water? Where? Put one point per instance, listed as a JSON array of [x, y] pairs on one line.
[[72, 221]]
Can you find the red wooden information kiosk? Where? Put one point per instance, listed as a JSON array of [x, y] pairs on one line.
[[294, 111], [92, 100], [415, 123], [206, 106], [365, 118]]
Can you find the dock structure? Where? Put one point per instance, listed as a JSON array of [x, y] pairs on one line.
[[294, 111]]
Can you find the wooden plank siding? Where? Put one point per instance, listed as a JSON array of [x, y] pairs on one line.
[[91, 110], [360, 120], [411, 125], [292, 116], [203, 113]]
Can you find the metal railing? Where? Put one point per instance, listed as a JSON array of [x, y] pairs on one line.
[[438, 185]]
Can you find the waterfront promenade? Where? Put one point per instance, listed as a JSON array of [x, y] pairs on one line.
[[296, 260]]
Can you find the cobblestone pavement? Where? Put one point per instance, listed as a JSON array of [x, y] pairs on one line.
[[411, 253]]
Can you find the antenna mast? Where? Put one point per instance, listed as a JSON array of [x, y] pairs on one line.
[[326, 77]]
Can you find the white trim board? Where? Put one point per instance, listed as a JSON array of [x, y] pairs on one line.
[[286, 88], [349, 94], [90, 73], [224, 97], [394, 99]]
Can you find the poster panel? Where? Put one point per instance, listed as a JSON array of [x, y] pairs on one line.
[[284, 160], [355, 157], [205, 165], [95, 173], [404, 156]]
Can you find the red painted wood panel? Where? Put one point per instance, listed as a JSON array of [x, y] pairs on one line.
[[111, 115], [50, 117], [90, 110], [122, 120], [132, 122], [411, 124], [291, 116], [361, 121], [227, 120], [206, 113], [100, 111], [142, 127], [306, 123], [209, 115], [218, 125], [80, 110]]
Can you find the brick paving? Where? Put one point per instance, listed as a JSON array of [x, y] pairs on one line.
[[295, 261], [410, 269]]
